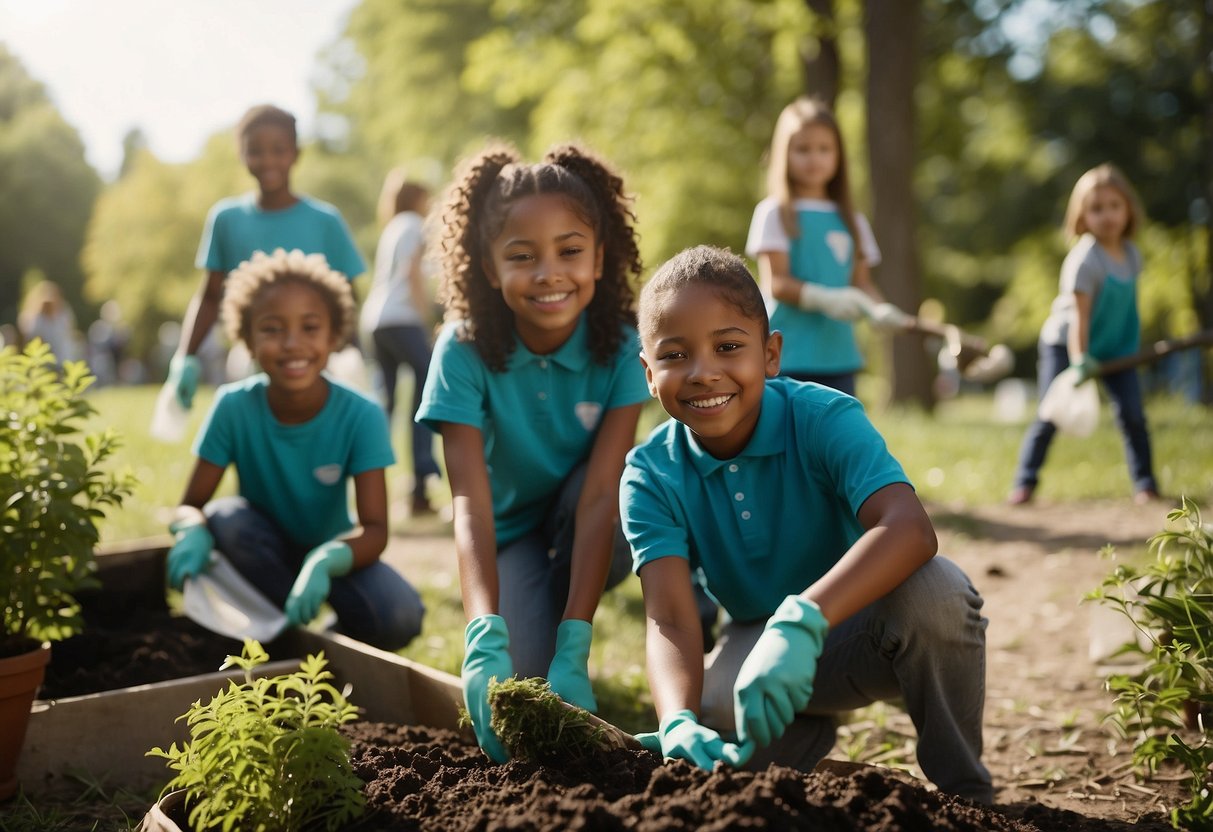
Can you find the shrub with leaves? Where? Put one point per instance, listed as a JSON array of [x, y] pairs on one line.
[[1163, 706], [267, 754], [54, 487], [535, 724]]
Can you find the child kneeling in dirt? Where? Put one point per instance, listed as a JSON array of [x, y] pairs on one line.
[[808, 534], [296, 439]]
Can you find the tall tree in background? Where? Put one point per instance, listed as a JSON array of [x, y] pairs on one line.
[[819, 53], [47, 189], [891, 28]]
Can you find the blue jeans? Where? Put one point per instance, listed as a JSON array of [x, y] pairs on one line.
[[1124, 391], [533, 579], [396, 345], [924, 643], [374, 604]]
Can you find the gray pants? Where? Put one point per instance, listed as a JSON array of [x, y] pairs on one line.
[[924, 643]]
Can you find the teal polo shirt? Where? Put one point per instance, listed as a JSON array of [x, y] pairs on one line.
[[236, 228], [770, 521], [298, 475], [539, 417]]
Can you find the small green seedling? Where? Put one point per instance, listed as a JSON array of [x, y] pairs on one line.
[[536, 725], [267, 754]]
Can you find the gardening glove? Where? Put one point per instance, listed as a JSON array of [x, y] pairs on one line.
[[683, 738], [486, 657], [191, 552], [1085, 368], [312, 584], [845, 303], [887, 317], [183, 372], [776, 679], [568, 674]]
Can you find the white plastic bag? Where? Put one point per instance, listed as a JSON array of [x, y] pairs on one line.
[[223, 601], [1072, 407], [169, 418]]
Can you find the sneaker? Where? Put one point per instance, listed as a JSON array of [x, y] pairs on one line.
[[421, 505], [1146, 496], [1021, 495]]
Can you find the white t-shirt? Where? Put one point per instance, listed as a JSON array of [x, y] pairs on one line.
[[390, 302], [768, 234]]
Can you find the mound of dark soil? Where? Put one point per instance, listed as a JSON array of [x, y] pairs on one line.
[[435, 780]]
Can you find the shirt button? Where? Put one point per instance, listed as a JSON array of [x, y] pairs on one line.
[[733, 468], [745, 515], [739, 496], [542, 395], [543, 363]]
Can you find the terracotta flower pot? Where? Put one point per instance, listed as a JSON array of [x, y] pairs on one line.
[[20, 677]]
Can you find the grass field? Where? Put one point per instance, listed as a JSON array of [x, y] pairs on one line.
[[959, 456]]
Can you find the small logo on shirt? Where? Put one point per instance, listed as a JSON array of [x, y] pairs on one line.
[[327, 474], [588, 414], [839, 243]]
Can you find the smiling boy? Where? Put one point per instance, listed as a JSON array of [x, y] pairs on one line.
[[807, 532]]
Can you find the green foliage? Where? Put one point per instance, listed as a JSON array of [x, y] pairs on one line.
[[55, 490], [536, 725], [47, 188], [267, 754], [1161, 706]]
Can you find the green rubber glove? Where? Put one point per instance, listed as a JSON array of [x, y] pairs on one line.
[[569, 674], [486, 656], [776, 679], [191, 552], [183, 373], [683, 738], [312, 584], [1086, 368]]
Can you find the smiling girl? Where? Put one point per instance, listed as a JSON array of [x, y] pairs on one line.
[[536, 389]]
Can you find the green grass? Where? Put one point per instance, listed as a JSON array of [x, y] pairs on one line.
[[958, 456]]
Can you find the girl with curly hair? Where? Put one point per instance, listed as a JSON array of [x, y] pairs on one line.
[[296, 439], [536, 388]]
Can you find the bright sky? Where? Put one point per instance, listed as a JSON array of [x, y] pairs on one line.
[[177, 69]]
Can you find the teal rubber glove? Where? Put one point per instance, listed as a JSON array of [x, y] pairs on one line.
[[183, 373], [1086, 368], [191, 552], [314, 581], [776, 679], [569, 674], [486, 656], [683, 738]]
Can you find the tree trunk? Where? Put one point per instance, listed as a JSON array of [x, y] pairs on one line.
[[892, 28], [819, 54]]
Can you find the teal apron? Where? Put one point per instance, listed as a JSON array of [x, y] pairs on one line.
[[1115, 326]]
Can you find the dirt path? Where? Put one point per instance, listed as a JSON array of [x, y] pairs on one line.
[[1045, 701]]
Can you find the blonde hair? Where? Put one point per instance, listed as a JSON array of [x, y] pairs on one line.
[[400, 194], [801, 113], [1106, 175], [246, 283]]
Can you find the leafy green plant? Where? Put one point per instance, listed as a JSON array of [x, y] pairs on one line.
[[267, 754], [54, 488], [535, 724], [1162, 707]]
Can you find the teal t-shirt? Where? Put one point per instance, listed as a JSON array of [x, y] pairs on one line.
[[770, 521], [296, 474], [236, 227], [539, 418]]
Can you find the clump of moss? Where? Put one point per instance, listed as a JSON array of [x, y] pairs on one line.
[[536, 725]]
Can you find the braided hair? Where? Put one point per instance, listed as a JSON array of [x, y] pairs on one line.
[[474, 212]]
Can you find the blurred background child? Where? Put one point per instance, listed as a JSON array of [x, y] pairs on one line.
[[296, 439], [815, 252], [536, 390], [44, 314], [272, 217], [1094, 318], [397, 314]]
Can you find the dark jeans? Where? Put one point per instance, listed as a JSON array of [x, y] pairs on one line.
[[842, 382], [396, 345], [374, 604], [1123, 390]]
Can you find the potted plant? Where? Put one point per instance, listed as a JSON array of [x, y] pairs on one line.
[[263, 754], [53, 489]]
